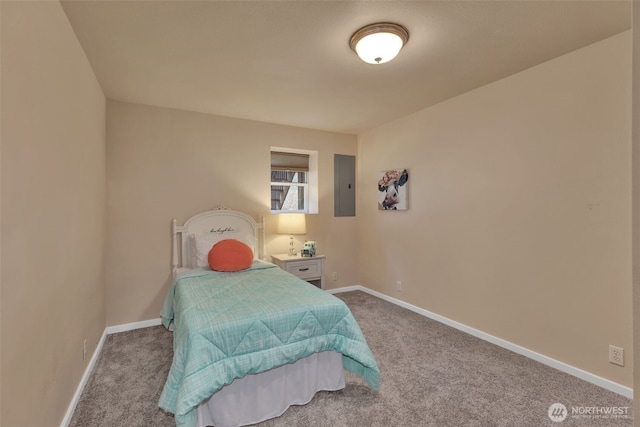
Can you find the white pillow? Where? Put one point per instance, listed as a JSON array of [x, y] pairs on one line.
[[199, 245]]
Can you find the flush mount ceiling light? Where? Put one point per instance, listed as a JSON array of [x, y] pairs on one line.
[[379, 43]]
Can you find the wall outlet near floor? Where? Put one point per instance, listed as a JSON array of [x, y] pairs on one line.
[[616, 355], [334, 276], [398, 285], [84, 349]]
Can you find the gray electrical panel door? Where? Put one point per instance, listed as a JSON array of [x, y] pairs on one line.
[[344, 185]]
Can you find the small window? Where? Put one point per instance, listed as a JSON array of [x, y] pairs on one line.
[[292, 187], [289, 182]]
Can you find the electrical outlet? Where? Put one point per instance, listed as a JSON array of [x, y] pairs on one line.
[[334, 276], [616, 355], [84, 349], [398, 285]]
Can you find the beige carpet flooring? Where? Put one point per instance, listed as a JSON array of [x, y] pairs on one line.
[[431, 375]]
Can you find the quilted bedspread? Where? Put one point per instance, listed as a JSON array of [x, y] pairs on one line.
[[228, 325]]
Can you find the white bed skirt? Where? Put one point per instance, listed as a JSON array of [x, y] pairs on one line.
[[259, 397]]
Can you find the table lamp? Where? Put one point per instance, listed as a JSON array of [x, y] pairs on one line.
[[291, 223]]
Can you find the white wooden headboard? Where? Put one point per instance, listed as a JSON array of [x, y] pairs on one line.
[[223, 221]]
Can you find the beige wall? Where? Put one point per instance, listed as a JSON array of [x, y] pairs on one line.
[[165, 163], [53, 213], [520, 208]]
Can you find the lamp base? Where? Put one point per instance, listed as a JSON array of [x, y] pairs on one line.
[[292, 251]]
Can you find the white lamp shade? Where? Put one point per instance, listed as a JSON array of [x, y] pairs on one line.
[[379, 43], [292, 223], [379, 48]]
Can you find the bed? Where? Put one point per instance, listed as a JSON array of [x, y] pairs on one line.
[[249, 344]]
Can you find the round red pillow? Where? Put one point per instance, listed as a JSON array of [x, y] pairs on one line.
[[230, 255]]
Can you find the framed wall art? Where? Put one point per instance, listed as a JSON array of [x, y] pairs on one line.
[[393, 190]]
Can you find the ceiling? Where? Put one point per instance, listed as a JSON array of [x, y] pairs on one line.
[[289, 62]]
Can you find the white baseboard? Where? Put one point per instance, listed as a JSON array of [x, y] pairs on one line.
[[132, 326], [348, 289], [561, 366], [83, 381]]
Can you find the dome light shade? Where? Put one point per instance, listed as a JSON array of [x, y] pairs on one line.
[[379, 43]]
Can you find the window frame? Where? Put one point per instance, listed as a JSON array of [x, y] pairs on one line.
[[310, 188]]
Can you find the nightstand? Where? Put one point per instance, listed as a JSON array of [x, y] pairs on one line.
[[310, 269]]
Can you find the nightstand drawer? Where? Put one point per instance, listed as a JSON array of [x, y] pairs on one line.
[[310, 269], [305, 269]]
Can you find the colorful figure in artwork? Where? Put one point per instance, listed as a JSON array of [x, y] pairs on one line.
[[389, 187]]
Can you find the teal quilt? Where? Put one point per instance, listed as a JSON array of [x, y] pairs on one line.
[[228, 325]]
